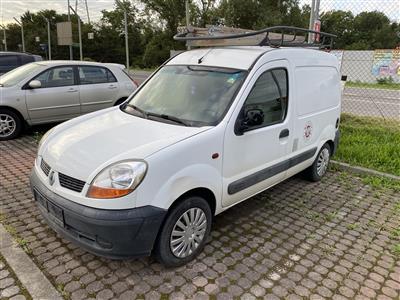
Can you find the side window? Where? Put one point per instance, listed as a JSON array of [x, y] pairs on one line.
[[56, 77], [268, 99], [8, 60], [93, 75]]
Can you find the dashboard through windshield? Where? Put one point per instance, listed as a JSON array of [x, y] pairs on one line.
[[191, 95]]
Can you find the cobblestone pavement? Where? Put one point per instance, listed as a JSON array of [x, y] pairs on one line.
[[334, 239], [10, 287]]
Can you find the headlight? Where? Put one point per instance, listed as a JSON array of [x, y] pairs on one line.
[[117, 180], [44, 137]]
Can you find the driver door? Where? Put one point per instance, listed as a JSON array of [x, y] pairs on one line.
[[255, 157], [58, 97]]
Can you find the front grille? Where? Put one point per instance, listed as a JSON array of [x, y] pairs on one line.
[[45, 167], [71, 183]]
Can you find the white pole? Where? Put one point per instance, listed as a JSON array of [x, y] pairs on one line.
[[311, 24], [22, 33], [87, 12], [79, 33], [5, 38], [71, 55], [23, 37], [187, 19], [80, 38], [48, 37], [126, 39], [316, 14]]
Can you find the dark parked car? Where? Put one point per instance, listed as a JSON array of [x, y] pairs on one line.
[[12, 60]]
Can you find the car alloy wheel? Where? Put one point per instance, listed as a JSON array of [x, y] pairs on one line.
[[323, 161], [188, 232], [8, 125]]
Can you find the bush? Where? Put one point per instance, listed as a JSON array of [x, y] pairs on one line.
[[385, 80]]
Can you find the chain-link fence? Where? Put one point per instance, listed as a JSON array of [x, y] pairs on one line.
[[373, 74]]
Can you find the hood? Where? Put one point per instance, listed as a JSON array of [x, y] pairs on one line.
[[78, 148]]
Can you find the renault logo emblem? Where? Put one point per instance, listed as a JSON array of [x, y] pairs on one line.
[[51, 178]]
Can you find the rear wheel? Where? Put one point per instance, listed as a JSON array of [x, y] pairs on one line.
[[10, 124], [184, 233], [318, 169]]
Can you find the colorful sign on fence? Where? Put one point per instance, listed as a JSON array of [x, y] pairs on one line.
[[386, 63]]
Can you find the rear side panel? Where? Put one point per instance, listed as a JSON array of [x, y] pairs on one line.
[[318, 94]]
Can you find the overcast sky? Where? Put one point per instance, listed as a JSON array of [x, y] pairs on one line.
[[14, 8]]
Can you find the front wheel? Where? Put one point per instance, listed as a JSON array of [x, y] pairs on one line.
[[10, 125], [184, 233], [318, 169]]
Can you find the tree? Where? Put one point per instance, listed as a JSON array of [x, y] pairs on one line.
[[340, 23], [374, 29], [171, 12]]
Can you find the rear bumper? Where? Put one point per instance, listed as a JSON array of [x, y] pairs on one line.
[[111, 233]]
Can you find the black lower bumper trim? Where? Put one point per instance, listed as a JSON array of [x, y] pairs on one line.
[[111, 233]]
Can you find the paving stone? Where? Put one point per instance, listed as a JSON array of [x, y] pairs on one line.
[[261, 248], [105, 294]]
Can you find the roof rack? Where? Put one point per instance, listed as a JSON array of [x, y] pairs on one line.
[[276, 36]]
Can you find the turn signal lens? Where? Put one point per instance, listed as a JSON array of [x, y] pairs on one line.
[[106, 193]]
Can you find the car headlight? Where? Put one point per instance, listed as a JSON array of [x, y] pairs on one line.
[[117, 180]]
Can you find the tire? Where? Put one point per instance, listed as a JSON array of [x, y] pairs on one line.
[[318, 169], [170, 249], [10, 124]]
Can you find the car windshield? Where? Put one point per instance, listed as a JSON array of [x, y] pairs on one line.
[[189, 95], [15, 76]]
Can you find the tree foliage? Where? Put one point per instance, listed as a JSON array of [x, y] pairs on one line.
[[152, 24]]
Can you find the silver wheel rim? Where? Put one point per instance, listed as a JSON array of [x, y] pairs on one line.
[[322, 162], [7, 125], [188, 232]]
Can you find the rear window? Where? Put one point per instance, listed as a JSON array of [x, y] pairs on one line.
[[95, 75], [8, 60], [127, 73]]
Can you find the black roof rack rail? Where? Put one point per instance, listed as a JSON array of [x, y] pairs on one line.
[[276, 36]]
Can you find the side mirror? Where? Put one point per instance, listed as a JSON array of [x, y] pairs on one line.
[[251, 118], [35, 84]]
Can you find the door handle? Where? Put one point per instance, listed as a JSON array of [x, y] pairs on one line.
[[72, 90], [284, 133], [111, 87]]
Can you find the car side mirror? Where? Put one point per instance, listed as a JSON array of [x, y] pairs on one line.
[[35, 84], [250, 118]]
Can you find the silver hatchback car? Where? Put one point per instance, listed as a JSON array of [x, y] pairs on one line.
[[54, 91]]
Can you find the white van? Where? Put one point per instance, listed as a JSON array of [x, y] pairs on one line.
[[209, 129]]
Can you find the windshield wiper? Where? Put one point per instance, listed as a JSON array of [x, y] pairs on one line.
[[169, 118], [144, 113]]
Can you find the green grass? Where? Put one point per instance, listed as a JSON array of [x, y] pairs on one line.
[[387, 86], [396, 250], [382, 183], [370, 142]]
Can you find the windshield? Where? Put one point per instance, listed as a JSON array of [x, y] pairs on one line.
[[196, 96], [15, 76]]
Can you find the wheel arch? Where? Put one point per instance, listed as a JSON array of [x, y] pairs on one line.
[[202, 192], [331, 145], [16, 111]]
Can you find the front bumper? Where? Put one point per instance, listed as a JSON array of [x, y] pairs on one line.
[[111, 233]]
